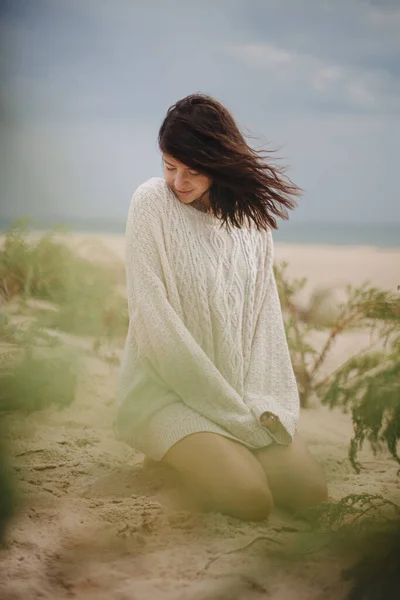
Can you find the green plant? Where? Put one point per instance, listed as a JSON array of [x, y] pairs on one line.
[[354, 513], [82, 291], [34, 383], [35, 369], [368, 384], [366, 529]]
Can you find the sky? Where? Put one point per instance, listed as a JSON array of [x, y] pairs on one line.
[[85, 86]]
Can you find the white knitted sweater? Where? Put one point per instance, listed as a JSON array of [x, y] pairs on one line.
[[206, 347]]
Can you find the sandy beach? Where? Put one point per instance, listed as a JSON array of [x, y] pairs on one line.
[[95, 523]]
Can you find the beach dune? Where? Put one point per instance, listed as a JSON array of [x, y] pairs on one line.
[[95, 523]]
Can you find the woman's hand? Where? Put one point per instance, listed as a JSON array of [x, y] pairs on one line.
[[270, 422], [274, 426]]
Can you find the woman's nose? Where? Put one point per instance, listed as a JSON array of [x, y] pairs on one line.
[[180, 181]]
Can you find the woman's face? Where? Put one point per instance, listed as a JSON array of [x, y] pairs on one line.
[[187, 184]]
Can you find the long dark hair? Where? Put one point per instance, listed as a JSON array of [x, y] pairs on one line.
[[201, 133]]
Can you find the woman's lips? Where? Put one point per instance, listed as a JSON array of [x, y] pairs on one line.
[[189, 192]]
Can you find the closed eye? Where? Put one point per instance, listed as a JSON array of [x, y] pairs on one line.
[[174, 169]]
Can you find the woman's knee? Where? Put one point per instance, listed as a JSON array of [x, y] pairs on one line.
[[311, 493], [250, 502], [304, 493], [295, 477], [222, 475], [244, 497]]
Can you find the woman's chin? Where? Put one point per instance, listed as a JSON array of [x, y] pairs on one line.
[[185, 199]]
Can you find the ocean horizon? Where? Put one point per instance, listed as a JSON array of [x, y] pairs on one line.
[[289, 232]]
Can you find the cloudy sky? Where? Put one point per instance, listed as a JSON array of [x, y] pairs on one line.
[[85, 85]]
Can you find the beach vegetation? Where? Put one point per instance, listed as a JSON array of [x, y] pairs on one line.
[[80, 294], [367, 384]]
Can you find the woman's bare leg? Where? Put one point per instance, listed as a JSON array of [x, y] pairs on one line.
[[221, 475], [295, 478]]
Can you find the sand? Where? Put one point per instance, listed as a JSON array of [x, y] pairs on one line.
[[95, 523]]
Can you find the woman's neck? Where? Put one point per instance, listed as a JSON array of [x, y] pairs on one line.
[[203, 202], [200, 206]]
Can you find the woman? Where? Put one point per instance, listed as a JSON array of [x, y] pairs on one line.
[[206, 383]]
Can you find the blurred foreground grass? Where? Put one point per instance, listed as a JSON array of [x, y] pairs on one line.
[[50, 299]]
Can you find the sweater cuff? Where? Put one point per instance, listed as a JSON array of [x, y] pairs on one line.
[[261, 404]]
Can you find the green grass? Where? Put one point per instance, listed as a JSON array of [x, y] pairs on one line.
[[83, 292]]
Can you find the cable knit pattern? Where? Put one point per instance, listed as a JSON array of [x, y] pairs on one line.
[[206, 347]]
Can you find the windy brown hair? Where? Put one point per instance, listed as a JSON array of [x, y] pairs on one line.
[[201, 133]]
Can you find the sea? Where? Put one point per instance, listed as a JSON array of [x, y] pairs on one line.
[[289, 232]]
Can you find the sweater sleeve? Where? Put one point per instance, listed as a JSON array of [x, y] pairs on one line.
[[270, 384], [161, 337]]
